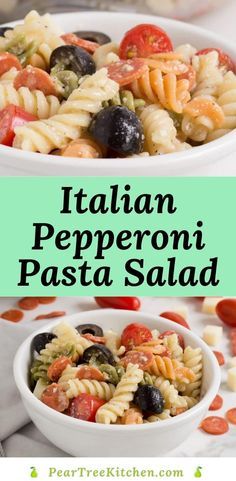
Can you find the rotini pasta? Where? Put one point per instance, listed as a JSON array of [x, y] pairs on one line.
[[172, 343], [159, 130], [226, 98], [33, 102], [193, 360], [101, 389], [106, 54]]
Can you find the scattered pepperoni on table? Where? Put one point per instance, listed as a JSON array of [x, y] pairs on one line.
[[55, 397], [11, 117], [57, 367], [13, 315], [126, 71], [28, 303], [50, 315], [224, 59], [72, 39], [135, 334], [173, 316], [143, 41], [216, 404], [226, 311], [35, 78], [129, 303], [220, 357], [143, 359], [7, 62], [46, 300], [214, 425], [231, 416], [85, 407]]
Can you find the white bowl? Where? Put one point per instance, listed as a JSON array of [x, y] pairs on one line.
[[81, 438], [197, 161]]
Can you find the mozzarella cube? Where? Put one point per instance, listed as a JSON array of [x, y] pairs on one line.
[[212, 335], [232, 362], [231, 379], [182, 310], [209, 304]]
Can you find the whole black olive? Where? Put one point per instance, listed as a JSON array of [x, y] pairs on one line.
[[3, 30], [39, 342], [97, 37], [118, 128], [90, 329], [70, 57], [149, 398], [98, 354]]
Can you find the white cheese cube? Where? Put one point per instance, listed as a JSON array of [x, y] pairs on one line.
[[209, 304], [232, 362], [212, 335], [182, 310], [231, 379]]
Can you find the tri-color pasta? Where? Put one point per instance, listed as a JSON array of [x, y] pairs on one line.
[[153, 98], [113, 378]]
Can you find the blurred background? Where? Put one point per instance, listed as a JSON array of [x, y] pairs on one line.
[[182, 9]]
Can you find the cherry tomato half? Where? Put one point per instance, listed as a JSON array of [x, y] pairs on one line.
[[134, 335], [8, 61], [224, 59], [11, 117], [129, 303], [143, 41], [226, 311], [85, 407], [173, 316]]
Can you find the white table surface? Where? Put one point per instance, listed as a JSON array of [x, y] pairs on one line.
[[199, 444]]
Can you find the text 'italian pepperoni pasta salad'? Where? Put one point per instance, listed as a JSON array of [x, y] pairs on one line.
[[82, 95], [138, 376]]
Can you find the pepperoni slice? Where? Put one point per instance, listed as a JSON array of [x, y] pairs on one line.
[[50, 315], [126, 71], [231, 415], [169, 333], [135, 334], [143, 41], [57, 367], [54, 397], [35, 79], [8, 61], [28, 303], [173, 316], [224, 59], [13, 315], [89, 372], [143, 359], [72, 39], [220, 357], [46, 300], [95, 339], [215, 425], [216, 404]]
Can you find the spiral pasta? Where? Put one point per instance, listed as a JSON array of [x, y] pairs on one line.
[[226, 98], [106, 54], [187, 51], [8, 77], [193, 359], [169, 393], [159, 130], [159, 417], [33, 102], [123, 395], [101, 389], [56, 132], [172, 343], [201, 116], [166, 89], [164, 366], [209, 75]]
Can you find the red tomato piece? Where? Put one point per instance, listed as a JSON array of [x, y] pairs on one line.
[[11, 117], [57, 367], [216, 404], [143, 41], [173, 316], [8, 61], [54, 397], [226, 311], [231, 415], [13, 315], [220, 357], [143, 359], [224, 59], [129, 303], [215, 425], [72, 39], [50, 315], [169, 333], [28, 303], [134, 335], [46, 300], [85, 407], [89, 372], [35, 79], [126, 71], [96, 339]]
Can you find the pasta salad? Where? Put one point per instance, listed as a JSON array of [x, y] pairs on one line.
[[82, 95], [140, 376]]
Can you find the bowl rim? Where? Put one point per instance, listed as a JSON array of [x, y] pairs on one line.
[[132, 162], [60, 418]]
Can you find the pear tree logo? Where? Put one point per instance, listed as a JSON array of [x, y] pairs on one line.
[[33, 473], [198, 473]]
